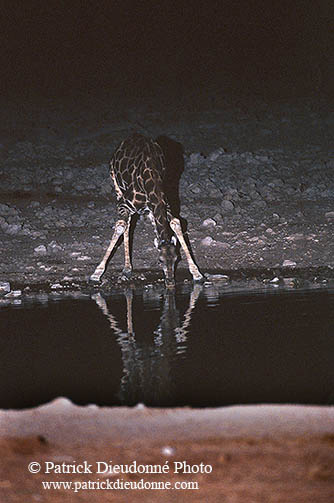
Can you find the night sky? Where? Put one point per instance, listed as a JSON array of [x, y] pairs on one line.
[[67, 46]]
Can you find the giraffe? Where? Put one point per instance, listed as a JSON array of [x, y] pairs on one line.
[[137, 170]]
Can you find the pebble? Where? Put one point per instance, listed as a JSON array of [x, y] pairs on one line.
[[207, 241], [218, 217], [56, 286], [289, 281], [195, 189], [40, 250], [4, 287], [216, 154], [5, 209], [227, 206], [214, 193], [196, 158], [222, 245], [218, 277], [12, 229], [209, 222], [289, 263], [259, 203], [295, 237], [274, 280], [13, 294], [54, 247]]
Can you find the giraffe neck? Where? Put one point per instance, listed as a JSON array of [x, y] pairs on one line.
[[161, 225]]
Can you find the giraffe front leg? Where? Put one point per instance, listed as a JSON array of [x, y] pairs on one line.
[[127, 270], [176, 227], [120, 228]]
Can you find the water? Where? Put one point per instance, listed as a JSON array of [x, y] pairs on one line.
[[197, 347]]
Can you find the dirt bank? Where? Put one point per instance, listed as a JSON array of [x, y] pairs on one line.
[[251, 453]]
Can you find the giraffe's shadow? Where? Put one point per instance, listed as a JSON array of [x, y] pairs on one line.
[[173, 152], [174, 157]]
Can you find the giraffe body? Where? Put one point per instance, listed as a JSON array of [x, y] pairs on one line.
[[137, 170]]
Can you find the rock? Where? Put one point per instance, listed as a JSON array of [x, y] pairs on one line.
[[289, 263], [34, 204], [216, 154], [218, 218], [54, 247], [195, 189], [13, 229], [275, 280], [259, 203], [196, 158], [4, 287], [40, 250], [214, 193], [5, 209], [56, 286], [209, 222], [295, 237], [227, 206], [254, 194], [26, 231], [207, 241], [222, 245], [218, 277], [291, 282], [61, 224], [84, 257], [329, 215], [13, 294], [231, 194]]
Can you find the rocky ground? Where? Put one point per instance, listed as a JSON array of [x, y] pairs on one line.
[[257, 188]]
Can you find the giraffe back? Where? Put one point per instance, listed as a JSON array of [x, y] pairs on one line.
[[137, 170]]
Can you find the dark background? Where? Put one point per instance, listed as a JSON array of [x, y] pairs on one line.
[[144, 47]]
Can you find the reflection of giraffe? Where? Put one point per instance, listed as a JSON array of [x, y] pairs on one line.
[[146, 366], [137, 170]]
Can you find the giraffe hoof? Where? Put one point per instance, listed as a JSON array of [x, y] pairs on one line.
[[199, 280], [95, 278], [127, 273]]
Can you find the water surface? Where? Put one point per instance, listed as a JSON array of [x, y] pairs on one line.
[[197, 347]]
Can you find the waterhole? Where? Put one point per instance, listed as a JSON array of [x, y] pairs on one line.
[[195, 347]]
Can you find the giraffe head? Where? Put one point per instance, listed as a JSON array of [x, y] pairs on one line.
[[167, 258]]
